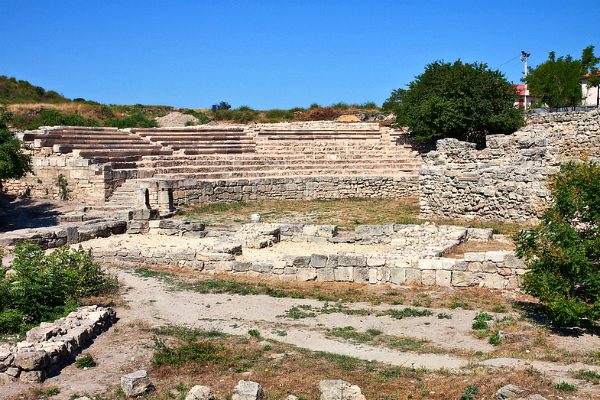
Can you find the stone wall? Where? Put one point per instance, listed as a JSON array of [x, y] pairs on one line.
[[87, 182], [508, 179], [192, 191], [50, 346], [408, 254]]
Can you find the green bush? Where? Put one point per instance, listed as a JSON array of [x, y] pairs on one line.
[[458, 100], [13, 163], [279, 115], [136, 119], [200, 116], [53, 117], [563, 253], [44, 287]]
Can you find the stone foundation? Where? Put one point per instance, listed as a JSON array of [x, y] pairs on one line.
[[52, 345]]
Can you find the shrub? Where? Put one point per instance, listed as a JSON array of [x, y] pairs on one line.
[[13, 163], [563, 253], [319, 114], [53, 117], [202, 118], [44, 286], [136, 119], [86, 361], [457, 100], [279, 115]]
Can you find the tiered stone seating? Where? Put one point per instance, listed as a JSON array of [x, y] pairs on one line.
[[201, 140], [96, 143]]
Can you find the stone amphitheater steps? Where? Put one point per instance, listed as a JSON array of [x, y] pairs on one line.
[[123, 198]]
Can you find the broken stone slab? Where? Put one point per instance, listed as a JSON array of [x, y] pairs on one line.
[[510, 392], [29, 359], [200, 392], [339, 390], [248, 390], [136, 383]]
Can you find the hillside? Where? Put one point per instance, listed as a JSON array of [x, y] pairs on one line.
[[33, 106], [18, 91]]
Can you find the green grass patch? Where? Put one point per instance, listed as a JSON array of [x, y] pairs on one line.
[[85, 361], [300, 312], [407, 312], [588, 375], [351, 334], [565, 387]]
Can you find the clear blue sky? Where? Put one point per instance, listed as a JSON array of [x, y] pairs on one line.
[[272, 54]]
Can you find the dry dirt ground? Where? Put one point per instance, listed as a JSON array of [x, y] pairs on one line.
[[443, 344]]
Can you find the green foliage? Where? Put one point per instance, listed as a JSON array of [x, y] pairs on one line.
[[241, 115], [469, 392], [408, 312], [13, 163], [254, 333], [494, 340], [63, 187], [200, 352], [44, 287], [279, 115], [86, 361], [18, 91], [200, 116], [563, 253], [557, 81], [565, 387], [480, 321], [458, 100], [53, 117], [136, 119]]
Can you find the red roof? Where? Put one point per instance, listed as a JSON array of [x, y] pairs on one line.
[[520, 89], [588, 75]]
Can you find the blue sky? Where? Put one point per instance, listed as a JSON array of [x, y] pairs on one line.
[[272, 54]]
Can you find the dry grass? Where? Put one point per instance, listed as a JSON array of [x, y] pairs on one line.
[[478, 246], [86, 110], [346, 213], [486, 299], [283, 369]]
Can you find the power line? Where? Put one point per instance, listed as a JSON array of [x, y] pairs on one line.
[[511, 60]]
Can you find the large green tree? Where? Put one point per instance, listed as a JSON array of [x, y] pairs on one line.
[[13, 162], [563, 253], [460, 100], [557, 81]]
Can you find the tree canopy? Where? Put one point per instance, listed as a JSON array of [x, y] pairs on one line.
[[563, 253], [459, 100], [557, 81], [13, 163]]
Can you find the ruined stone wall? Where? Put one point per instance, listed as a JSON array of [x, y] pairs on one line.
[[87, 182], [508, 179], [192, 191]]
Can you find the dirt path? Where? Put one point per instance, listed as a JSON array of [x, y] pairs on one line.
[[153, 302]]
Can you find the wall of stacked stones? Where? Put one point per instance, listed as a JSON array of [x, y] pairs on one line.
[[493, 269], [192, 191], [52, 345], [508, 179], [87, 182]]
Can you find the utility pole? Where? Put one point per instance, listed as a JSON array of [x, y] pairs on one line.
[[524, 56]]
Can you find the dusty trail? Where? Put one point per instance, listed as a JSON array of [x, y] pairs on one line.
[[153, 302]]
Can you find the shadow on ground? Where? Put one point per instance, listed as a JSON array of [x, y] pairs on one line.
[[16, 213]]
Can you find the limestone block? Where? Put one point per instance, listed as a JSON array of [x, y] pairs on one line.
[[301, 261], [361, 274], [375, 261], [428, 277], [510, 392], [306, 274], [30, 359], [478, 257], [135, 383], [493, 281], [248, 390], [496, 256], [325, 274], [351, 260], [464, 278], [318, 261], [199, 392], [343, 274], [512, 261], [32, 376], [374, 275], [488, 266], [413, 276], [443, 277], [398, 275], [262, 267], [339, 390]]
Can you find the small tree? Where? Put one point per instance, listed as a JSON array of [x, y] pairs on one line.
[[13, 163], [459, 100], [557, 81], [563, 253]]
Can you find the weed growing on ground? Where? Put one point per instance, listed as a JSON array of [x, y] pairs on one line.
[[254, 333], [588, 375], [85, 361], [469, 392], [565, 387], [300, 312], [444, 316], [407, 312]]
